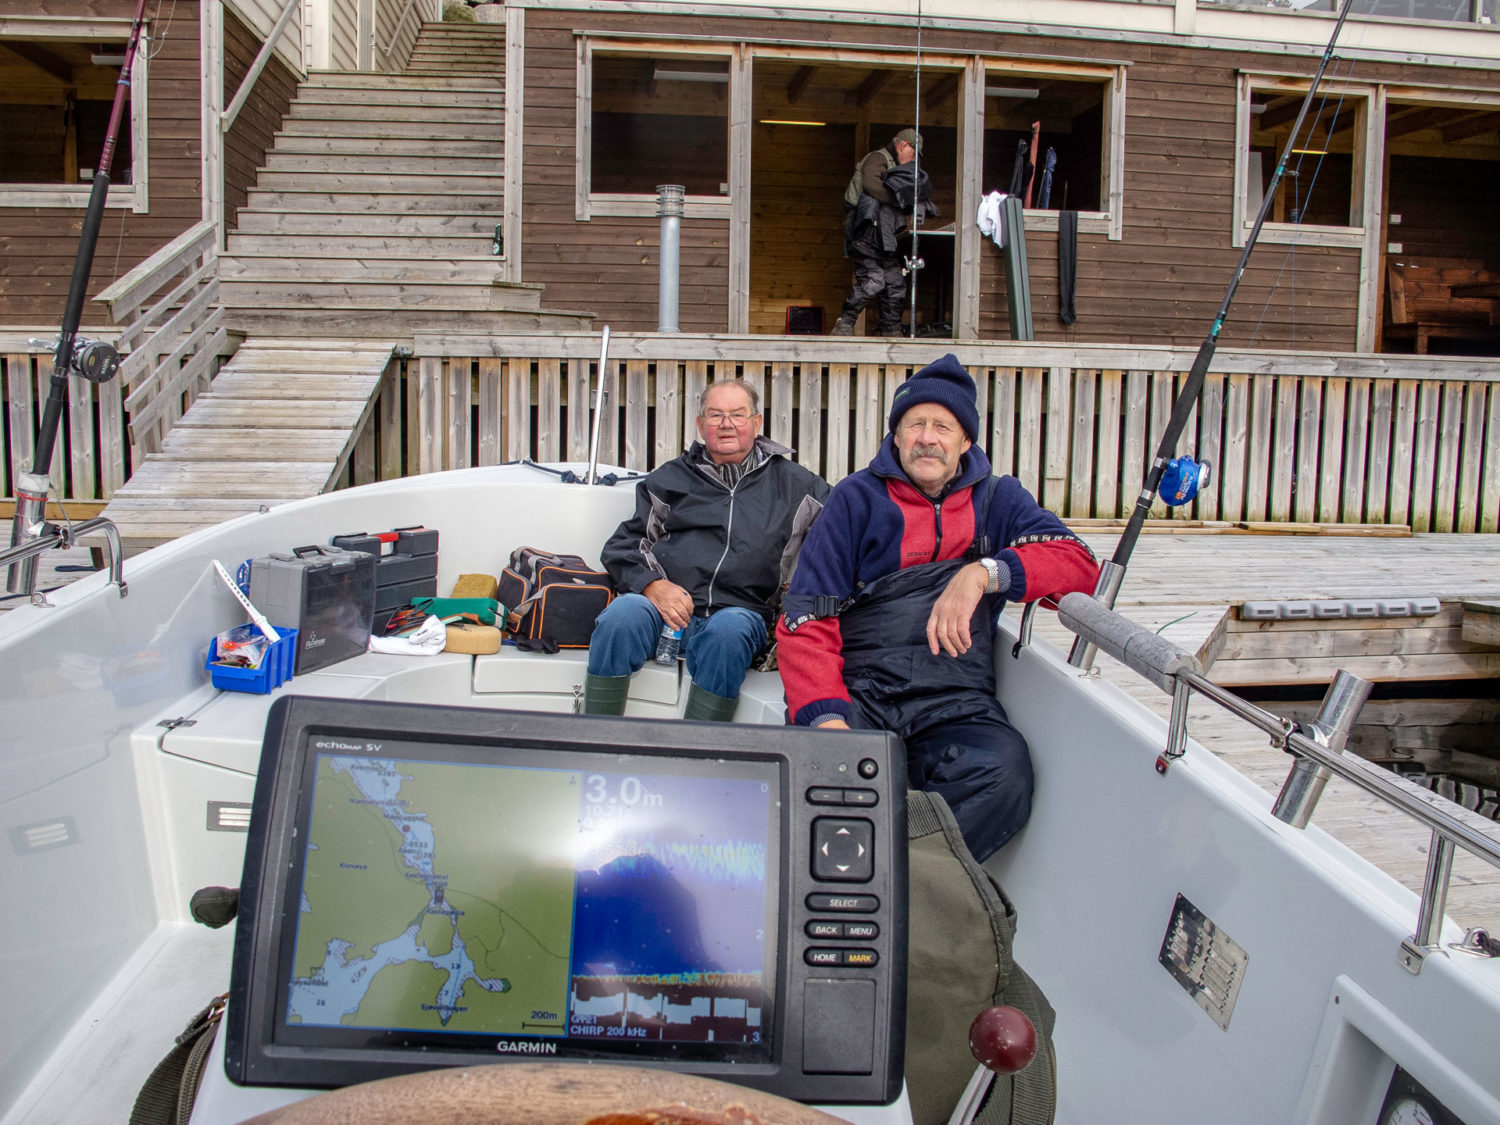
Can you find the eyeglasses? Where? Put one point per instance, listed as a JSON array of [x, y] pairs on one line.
[[734, 418]]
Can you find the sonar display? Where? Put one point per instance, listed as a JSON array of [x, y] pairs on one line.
[[527, 902]]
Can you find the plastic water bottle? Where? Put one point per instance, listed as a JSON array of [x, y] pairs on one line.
[[668, 644]]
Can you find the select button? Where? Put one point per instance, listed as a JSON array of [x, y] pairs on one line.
[[843, 904]]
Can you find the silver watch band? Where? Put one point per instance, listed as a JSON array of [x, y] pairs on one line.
[[992, 575]]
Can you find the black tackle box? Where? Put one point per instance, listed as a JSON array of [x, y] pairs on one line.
[[406, 566]]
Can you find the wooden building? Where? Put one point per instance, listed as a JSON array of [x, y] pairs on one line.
[[1166, 120]]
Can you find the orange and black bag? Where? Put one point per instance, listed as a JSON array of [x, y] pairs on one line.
[[555, 597]]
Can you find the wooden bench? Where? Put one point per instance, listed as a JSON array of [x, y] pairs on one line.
[[1421, 305]]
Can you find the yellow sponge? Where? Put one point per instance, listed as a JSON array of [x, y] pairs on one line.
[[477, 640], [476, 586]]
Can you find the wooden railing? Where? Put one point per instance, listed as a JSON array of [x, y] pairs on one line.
[[173, 331], [1292, 437]]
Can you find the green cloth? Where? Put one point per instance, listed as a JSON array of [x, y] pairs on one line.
[[485, 610]]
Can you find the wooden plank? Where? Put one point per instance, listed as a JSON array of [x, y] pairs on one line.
[[637, 403], [782, 399], [1107, 476], [1283, 448], [1258, 485], [1456, 666], [430, 414], [1424, 456], [1137, 425], [580, 403], [490, 399], [1161, 410], [458, 387], [1449, 440], [695, 382], [21, 393], [1356, 448], [362, 463], [1210, 444], [1489, 484], [82, 462], [1378, 472], [111, 438], [810, 424], [1029, 437], [1081, 470], [1309, 431], [1231, 467], [1003, 425], [10, 366], [1055, 448], [1471, 459], [1331, 453], [388, 422], [1481, 623], [668, 412], [412, 414], [840, 407], [518, 411], [549, 409], [869, 422]]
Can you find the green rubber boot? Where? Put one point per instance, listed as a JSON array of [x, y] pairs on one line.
[[707, 706], [604, 695]]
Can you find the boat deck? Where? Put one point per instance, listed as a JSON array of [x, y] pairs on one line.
[[1181, 584], [1184, 585]]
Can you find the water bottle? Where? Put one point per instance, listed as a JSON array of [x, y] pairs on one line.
[[668, 644]]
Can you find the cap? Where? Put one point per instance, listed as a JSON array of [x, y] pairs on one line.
[[911, 137]]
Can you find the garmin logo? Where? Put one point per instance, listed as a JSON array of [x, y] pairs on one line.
[[525, 1047]]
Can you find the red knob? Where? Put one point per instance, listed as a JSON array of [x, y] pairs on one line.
[[1003, 1039]]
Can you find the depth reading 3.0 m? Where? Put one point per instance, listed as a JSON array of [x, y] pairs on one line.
[[629, 792]]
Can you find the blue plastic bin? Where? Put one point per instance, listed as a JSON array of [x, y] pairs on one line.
[[274, 670]]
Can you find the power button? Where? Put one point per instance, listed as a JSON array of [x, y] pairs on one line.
[[868, 768]]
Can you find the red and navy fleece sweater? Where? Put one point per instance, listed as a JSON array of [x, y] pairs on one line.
[[877, 522]]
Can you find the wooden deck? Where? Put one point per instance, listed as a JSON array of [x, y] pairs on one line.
[[277, 424], [1184, 584]]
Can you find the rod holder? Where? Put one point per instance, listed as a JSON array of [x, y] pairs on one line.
[[1329, 729], [25, 527]]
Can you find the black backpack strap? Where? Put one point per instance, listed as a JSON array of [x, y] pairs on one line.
[[168, 1094], [981, 546]]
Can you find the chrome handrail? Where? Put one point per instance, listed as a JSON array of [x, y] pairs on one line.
[[1316, 752], [65, 536]]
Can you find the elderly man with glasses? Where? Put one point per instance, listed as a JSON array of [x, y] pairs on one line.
[[708, 551]]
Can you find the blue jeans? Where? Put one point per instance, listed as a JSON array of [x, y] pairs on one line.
[[718, 649]]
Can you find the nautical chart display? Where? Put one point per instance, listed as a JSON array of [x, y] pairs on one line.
[[614, 900]]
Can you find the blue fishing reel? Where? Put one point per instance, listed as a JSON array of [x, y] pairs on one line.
[[1181, 480]]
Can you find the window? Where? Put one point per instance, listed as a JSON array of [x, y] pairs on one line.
[[1321, 197], [1448, 11], [55, 102], [653, 117], [1074, 119]]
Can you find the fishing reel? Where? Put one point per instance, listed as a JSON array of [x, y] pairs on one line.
[[94, 360], [912, 265], [1182, 479]]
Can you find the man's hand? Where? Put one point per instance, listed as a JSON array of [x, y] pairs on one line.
[[671, 601], [832, 724], [948, 624]]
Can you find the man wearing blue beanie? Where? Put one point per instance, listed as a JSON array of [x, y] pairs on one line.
[[889, 622]]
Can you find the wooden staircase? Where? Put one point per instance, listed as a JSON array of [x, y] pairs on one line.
[[378, 205], [278, 423]]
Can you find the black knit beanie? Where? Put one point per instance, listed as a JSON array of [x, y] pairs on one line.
[[946, 383]]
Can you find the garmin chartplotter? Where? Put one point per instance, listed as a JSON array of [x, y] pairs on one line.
[[441, 886]]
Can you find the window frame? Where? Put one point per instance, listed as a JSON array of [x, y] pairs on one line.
[[589, 203], [1109, 222], [1364, 176], [134, 196]]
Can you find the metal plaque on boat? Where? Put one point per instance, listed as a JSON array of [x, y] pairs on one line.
[[1206, 961]]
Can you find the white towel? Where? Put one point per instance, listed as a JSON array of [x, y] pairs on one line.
[[991, 219], [428, 640]]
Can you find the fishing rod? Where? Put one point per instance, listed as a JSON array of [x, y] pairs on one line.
[[1112, 572], [914, 264], [96, 361]]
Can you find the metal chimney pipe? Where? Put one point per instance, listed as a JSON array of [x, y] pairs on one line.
[[669, 210]]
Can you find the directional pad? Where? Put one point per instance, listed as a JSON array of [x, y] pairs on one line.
[[843, 849]]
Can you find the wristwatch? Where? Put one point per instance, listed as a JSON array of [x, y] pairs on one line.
[[991, 575]]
